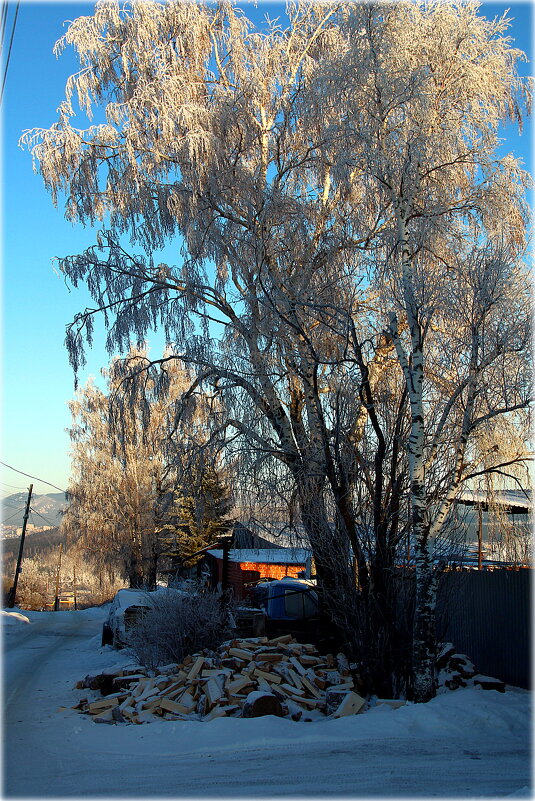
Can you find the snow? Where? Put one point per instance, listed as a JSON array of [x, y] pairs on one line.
[[465, 743], [265, 556], [125, 598], [14, 617]]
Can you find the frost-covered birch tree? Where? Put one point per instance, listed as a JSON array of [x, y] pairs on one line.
[[425, 91], [207, 138], [126, 470]]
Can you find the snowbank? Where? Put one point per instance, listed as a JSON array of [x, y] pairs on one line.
[[465, 743]]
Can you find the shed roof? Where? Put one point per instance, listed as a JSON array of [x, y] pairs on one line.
[[513, 501], [266, 556]]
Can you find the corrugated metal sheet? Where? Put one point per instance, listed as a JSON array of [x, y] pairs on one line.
[[487, 615]]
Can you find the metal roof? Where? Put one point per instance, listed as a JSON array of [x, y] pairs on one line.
[[513, 501], [271, 556]]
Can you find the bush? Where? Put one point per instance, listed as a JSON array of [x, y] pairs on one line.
[[178, 625]]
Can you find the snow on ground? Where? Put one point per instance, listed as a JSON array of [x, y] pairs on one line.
[[466, 743], [14, 617]]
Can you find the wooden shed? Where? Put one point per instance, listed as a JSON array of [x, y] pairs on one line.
[[248, 565]]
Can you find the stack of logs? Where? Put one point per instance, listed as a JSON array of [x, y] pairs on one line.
[[243, 678], [456, 670], [249, 678]]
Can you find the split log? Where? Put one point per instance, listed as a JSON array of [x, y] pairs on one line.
[[104, 717], [99, 706], [351, 705], [173, 706], [259, 704], [196, 668]]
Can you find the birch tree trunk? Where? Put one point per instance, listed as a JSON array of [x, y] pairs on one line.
[[423, 648]]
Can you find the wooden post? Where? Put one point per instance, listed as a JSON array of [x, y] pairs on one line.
[[480, 537], [13, 590], [224, 575], [74, 586], [56, 598]]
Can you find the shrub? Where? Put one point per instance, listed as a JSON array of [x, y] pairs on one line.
[[178, 625]]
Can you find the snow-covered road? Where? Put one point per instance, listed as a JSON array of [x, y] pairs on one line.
[[469, 743]]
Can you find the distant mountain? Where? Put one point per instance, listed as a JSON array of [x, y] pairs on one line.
[[46, 509]]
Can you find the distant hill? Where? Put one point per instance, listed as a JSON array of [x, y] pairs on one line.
[[38, 545], [46, 509]]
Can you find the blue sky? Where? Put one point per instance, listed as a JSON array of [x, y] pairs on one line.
[[37, 381]]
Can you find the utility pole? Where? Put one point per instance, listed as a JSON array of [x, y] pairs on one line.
[[13, 590], [56, 598], [74, 586]]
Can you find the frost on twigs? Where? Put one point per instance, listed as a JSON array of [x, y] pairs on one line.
[[317, 181]]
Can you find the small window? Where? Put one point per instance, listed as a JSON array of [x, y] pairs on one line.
[[310, 604], [294, 603]]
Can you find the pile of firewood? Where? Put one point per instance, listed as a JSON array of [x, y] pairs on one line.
[[250, 678], [456, 670], [243, 678]]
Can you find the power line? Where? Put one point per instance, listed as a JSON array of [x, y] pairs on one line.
[[35, 512], [9, 50], [34, 477], [13, 486], [12, 516], [3, 19]]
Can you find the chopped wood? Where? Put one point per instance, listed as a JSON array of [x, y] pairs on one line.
[[350, 705], [99, 706], [291, 690], [310, 703], [104, 717], [241, 653], [345, 685], [128, 702], [208, 672], [176, 686], [153, 703], [319, 682], [295, 678], [203, 706], [271, 677], [264, 686], [310, 687], [248, 644], [147, 690], [196, 668], [213, 691], [284, 638], [126, 680], [297, 665], [295, 648], [140, 686], [260, 704], [237, 685], [173, 706], [268, 657], [306, 659], [217, 712], [130, 714], [231, 681]]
